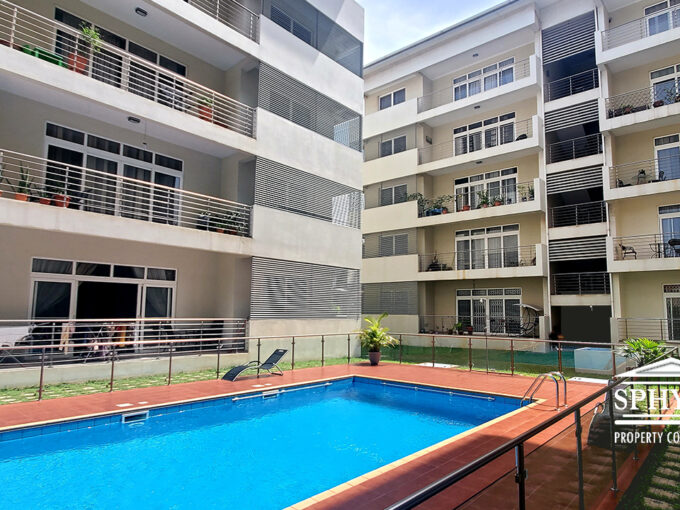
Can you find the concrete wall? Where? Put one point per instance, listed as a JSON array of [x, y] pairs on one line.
[[648, 284], [639, 216], [637, 77], [639, 146]]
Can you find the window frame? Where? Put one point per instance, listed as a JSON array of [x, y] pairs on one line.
[[392, 99]]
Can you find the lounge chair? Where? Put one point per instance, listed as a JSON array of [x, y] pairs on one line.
[[268, 365]]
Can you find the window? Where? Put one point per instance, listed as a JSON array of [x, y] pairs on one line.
[[500, 184], [393, 195], [487, 133], [392, 99], [490, 310], [665, 83], [671, 294], [396, 244], [667, 152], [393, 146], [659, 17], [291, 25], [491, 247], [669, 219], [490, 77]]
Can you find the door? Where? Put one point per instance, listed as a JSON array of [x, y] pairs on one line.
[[101, 188], [136, 197], [165, 202], [479, 315], [464, 312], [496, 319], [668, 167], [63, 178], [673, 317]]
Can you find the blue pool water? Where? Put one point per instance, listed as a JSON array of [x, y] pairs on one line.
[[260, 453]]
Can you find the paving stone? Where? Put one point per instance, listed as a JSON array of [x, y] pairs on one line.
[[654, 504], [662, 494], [663, 481]]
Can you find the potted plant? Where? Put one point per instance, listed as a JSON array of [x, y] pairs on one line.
[[44, 197], [423, 203], [90, 39], [531, 192], [483, 198], [626, 109], [205, 108], [459, 328], [23, 185], [374, 337], [59, 195], [470, 329], [498, 201], [642, 350]]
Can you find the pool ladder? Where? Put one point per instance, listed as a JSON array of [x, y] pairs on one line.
[[538, 382]]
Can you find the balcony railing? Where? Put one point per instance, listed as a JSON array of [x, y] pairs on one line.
[[575, 148], [638, 29], [580, 284], [644, 247], [578, 214], [665, 330], [478, 259], [232, 14], [68, 48], [50, 183], [645, 172], [507, 195], [571, 85], [509, 133], [522, 69], [64, 341], [504, 325], [642, 99]]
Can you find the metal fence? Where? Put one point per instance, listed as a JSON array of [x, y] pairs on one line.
[[642, 99], [506, 195], [28, 178], [522, 69], [520, 325], [664, 330], [580, 284], [517, 256], [640, 28], [575, 148], [574, 84], [645, 172], [650, 246], [72, 49], [232, 14], [578, 214], [521, 130]]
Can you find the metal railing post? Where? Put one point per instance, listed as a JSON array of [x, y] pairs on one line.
[[512, 357], [292, 353], [349, 354], [259, 345], [323, 342], [470, 354], [42, 374], [219, 348], [170, 365], [613, 362], [520, 476], [433, 350], [113, 363], [615, 484], [579, 458], [559, 357], [401, 349]]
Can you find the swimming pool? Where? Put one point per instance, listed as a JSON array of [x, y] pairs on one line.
[[263, 450]]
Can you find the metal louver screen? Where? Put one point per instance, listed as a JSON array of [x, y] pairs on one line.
[[574, 180], [288, 98], [393, 298], [571, 116], [578, 249], [569, 38], [288, 189], [284, 289], [388, 244]]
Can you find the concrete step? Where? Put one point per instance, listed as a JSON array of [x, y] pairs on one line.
[[662, 494], [653, 504], [668, 473], [662, 481]]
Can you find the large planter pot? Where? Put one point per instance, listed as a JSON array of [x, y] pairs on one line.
[[466, 208], [78, 63], [61, 200], [205, 112], [374, 358], [21, 197], [45, 201]]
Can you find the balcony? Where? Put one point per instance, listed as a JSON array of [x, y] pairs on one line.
[[67, 49], [581, 147], [522, 325], [232, 14], [578, 214], [580, 283], [641, 109], [651, 252], [655, 329], [53, 186], [574, 84], [644, 178], [523, 74], [513, 262], [653, 37]]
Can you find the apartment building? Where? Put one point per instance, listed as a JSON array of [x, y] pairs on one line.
[[521, 174], [187, 159]]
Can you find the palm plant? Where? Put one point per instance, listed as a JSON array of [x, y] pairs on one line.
[[374, 337], [24, 183], [643, 350]]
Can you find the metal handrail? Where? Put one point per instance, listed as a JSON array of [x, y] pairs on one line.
[[641, 99], [479, 259], [231, 13], [637, 29], [538, 382], [647, 246], [570, 85], [522, 129], [445, 95], [580, 284], [575, 148], [578, 214], [644, 172], [66, 47], [94, 191]]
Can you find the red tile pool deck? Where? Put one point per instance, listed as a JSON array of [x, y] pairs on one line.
[[379, 488]]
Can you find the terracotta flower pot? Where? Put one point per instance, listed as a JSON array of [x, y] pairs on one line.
[[21, 197], [466, 208], [61, 200], [205, 112], [45, 201], [374, 358], [78, 63], [219, 230], [497, 203]]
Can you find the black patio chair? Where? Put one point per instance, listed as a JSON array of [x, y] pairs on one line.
[[627, 250], [675, 246], [270, 363]]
